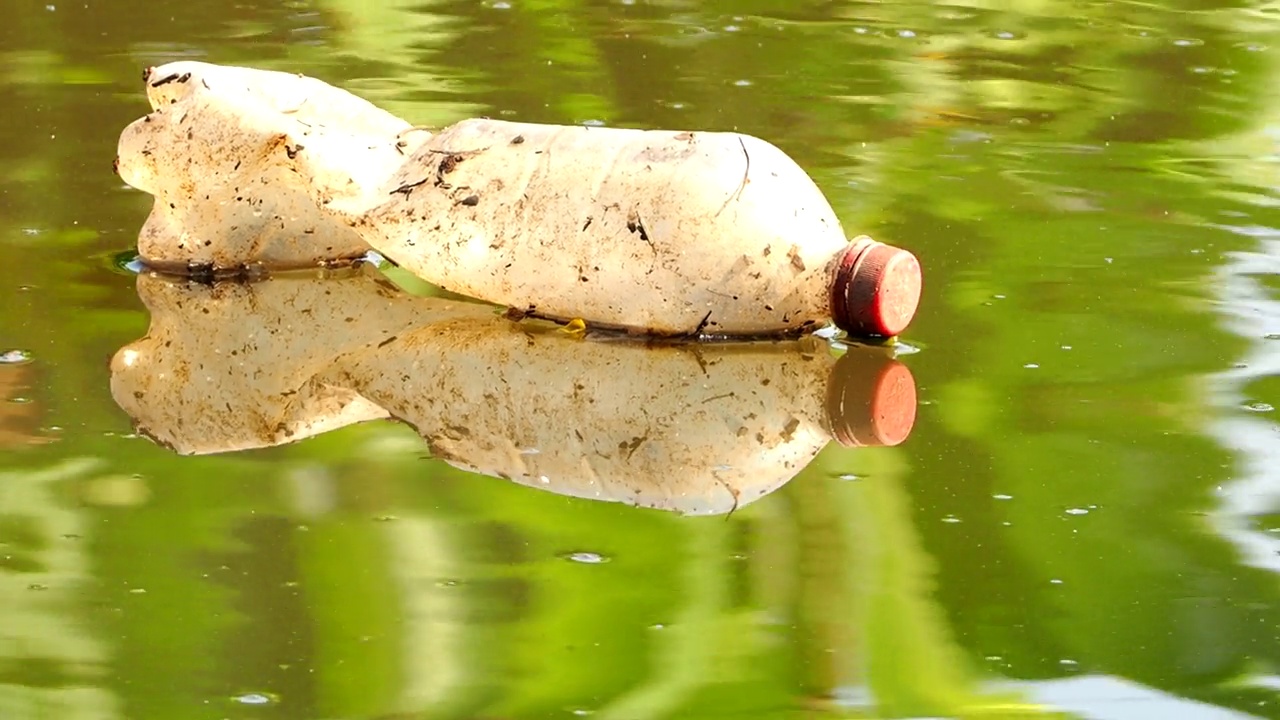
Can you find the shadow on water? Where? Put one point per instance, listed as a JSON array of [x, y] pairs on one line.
[[1081, 523]]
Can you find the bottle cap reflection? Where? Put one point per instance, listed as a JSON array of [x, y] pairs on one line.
[[871, 402], [696, 429]]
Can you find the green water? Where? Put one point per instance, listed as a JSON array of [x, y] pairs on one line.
[[1084, 521]]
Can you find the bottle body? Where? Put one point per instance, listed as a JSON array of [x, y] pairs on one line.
[[667, 232]]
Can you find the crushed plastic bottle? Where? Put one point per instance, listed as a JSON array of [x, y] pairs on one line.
[[227, 367], [660, 232], [215, 152]]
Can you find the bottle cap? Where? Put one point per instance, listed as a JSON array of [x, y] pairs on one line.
[[876, 289], [871, 399]]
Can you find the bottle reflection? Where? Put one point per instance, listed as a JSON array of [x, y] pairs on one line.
[[697, 429]]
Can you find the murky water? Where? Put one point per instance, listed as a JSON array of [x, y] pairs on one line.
[[1082, 521]]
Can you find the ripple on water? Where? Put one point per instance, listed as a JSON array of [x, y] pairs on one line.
[[586, 558], [15, 357], [255, 698]]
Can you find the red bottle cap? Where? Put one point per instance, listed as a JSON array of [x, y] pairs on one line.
[[876, 289], [871, 399]]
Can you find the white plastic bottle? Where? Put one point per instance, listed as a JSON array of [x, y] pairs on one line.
[[661, 232]]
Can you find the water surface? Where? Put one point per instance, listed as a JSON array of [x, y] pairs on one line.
[[1081, 523]]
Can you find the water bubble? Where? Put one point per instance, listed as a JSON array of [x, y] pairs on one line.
[[447, 583], [1188, 42], [1002, 497], [38, 587], [1055, 581], [951, 519], [582, 713], [385, 518], [593, 123], [138, 591], [742, 83], [1259, 407], [731, 28], [1031, 366], [908, 34], [586, 558], [15, 357], [1077, 511], [658, 626], [254, 698], [850, 477]]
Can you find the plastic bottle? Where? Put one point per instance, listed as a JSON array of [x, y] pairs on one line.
[[663, 232]]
